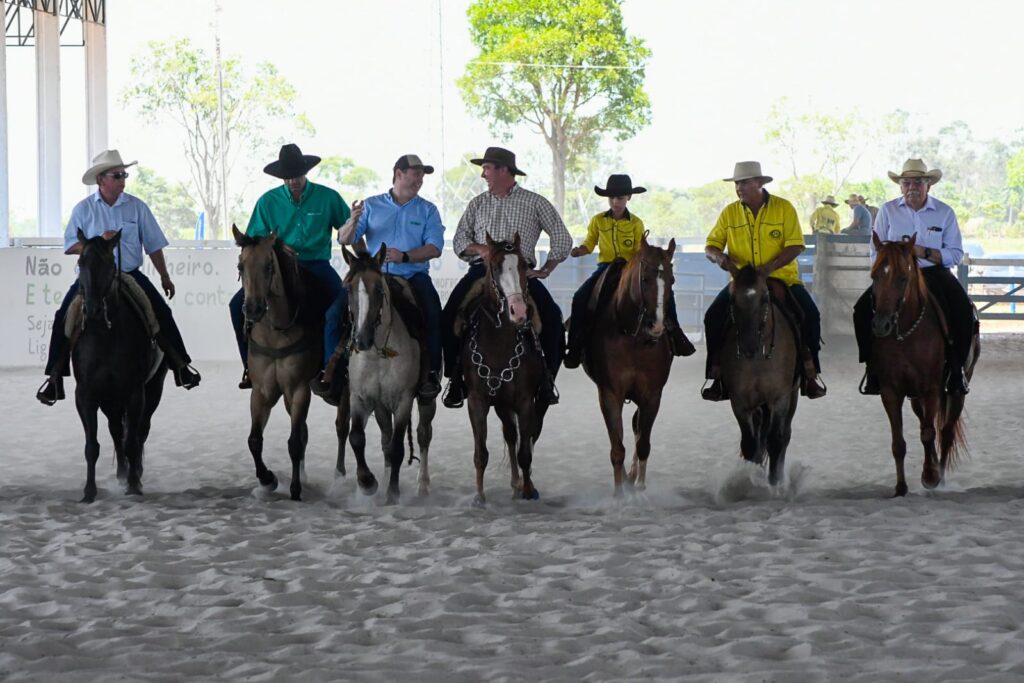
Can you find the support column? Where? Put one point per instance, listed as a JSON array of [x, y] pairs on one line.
[[5, 186], [47, 35], [96, 110]]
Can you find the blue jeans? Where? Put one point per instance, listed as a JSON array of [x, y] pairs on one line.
[[322, 287], [169, 336], [429, 303]]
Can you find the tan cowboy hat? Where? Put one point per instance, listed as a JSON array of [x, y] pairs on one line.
[[830, 200], [103, 162], [744, 170], [852, 200], [915, 168]]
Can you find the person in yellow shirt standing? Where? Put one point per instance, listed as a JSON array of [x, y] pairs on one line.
[[825, 219], [763, 231], [617, 234]]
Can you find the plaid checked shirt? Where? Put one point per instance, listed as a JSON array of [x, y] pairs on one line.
[[522, 212]]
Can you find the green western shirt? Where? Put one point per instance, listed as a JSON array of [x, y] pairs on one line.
[[304, 226]]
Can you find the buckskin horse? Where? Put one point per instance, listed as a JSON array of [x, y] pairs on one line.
[[761, 374], [384, 372], [503, 366], [908, 353], [284, 347], [627, 353], [118, 369]]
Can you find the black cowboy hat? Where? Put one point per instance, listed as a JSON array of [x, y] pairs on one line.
[[619, 186], [499, 156], [291, 163]]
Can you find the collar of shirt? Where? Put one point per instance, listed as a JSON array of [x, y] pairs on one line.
[[121, 199], [625, 215], [929, 204]]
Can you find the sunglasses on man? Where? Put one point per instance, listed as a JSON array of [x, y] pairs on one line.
[[120, 175]]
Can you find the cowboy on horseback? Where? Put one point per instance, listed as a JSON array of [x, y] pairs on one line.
[[106, 213], [938, 248], [617, 234], [302, 213], [763, 231], [505, 211], [411, 228]]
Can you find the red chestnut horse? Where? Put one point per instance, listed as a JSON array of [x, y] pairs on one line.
[[908, 353], [628, 355]]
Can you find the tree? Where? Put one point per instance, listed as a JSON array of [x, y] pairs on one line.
[[170, 202], [178, 82], [567, 69], [352, 181]]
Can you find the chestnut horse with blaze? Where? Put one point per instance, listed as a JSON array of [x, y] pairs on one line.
[[908, 353]]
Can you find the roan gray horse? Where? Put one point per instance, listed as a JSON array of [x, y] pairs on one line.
[[384, 371]]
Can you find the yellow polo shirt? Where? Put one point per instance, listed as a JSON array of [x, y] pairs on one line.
[[755, 241], [825, 219], [614, 238]]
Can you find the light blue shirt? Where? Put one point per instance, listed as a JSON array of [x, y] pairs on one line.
[[935, 226], [862, 218], [139, 229], [402, 226]]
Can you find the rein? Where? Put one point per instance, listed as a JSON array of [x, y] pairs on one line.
[[384, 351], [895, 318], [643, 315]]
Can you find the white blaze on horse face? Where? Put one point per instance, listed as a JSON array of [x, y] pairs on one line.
[[659, 309], [362, 303], [508, 280]]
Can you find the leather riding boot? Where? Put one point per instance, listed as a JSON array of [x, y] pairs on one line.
[[547, 392], [717, 390], [245, 382], [956, 380], [455, 394], [869, 385], [330, 383], [812, 387], [186, 376], [51, 391], [681, 345]]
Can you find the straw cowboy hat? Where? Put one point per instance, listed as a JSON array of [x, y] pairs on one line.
[[619, 186], [499, 156], [104, 161], [852, 200], [830, 200], [291, 163], [745, 170], [915, 168]]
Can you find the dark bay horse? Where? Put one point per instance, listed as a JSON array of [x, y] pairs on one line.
[[504, 366], [628, 355], [118, 368], [908, 354], [284, 347], [384, 372], [759, 364]]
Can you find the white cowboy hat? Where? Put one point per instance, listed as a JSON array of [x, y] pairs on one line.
[[744, 170], [830, 200], [915, 168], [104, 161]]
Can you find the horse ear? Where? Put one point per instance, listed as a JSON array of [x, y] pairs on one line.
[[272, 237], [240, 238], [516, 243], [490, 242], [643, 238], [81, 236], [913, 240], [671, 247], [115, 240], [876, 240], [382, 254]]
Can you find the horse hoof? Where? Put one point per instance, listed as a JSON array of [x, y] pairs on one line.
[[368, 485], [533, 494], [89, 497], [479, 502], [423, 492], [931, 482], [269, 483], [296, 496], [133, 490], [901, 490], [339, 474], [392, 499]]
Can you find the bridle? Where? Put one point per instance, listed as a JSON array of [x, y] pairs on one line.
[[894, 319], [273, 269], [769, 310], [644, 316], [383, 351], [115, 277]]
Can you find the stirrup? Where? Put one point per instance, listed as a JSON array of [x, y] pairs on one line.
[[430, 387], [245, 383], [51, 391], [957, 385], [330, 393], [186, 376], [715, 392], [573, 358], [869, 385], [548, 392], [680, 343], [813, 388], [455, 394]]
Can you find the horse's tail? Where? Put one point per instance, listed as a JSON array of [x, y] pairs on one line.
[[412, 453], [952, 434]]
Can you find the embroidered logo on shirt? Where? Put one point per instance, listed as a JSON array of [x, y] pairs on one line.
[[776, 234], [935, 228]]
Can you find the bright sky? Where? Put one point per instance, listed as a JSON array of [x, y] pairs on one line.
[[378, 79]]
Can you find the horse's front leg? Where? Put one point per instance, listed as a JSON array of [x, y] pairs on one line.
[[424, 433], [780, 431], [115, 423], [926, 408], [395, 453], [751, 423], [341, 426], [133, 412], [92, 446], [478, 420], [524, 456], [259, 411], [357, 439], [643, 425], [893, 404], [611, 410], [510, 434], [298, 410], [386, 426]]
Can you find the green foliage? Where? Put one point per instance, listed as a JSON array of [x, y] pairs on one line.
[[176, 81], [170, 203], [567, 69], [352, 181]]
